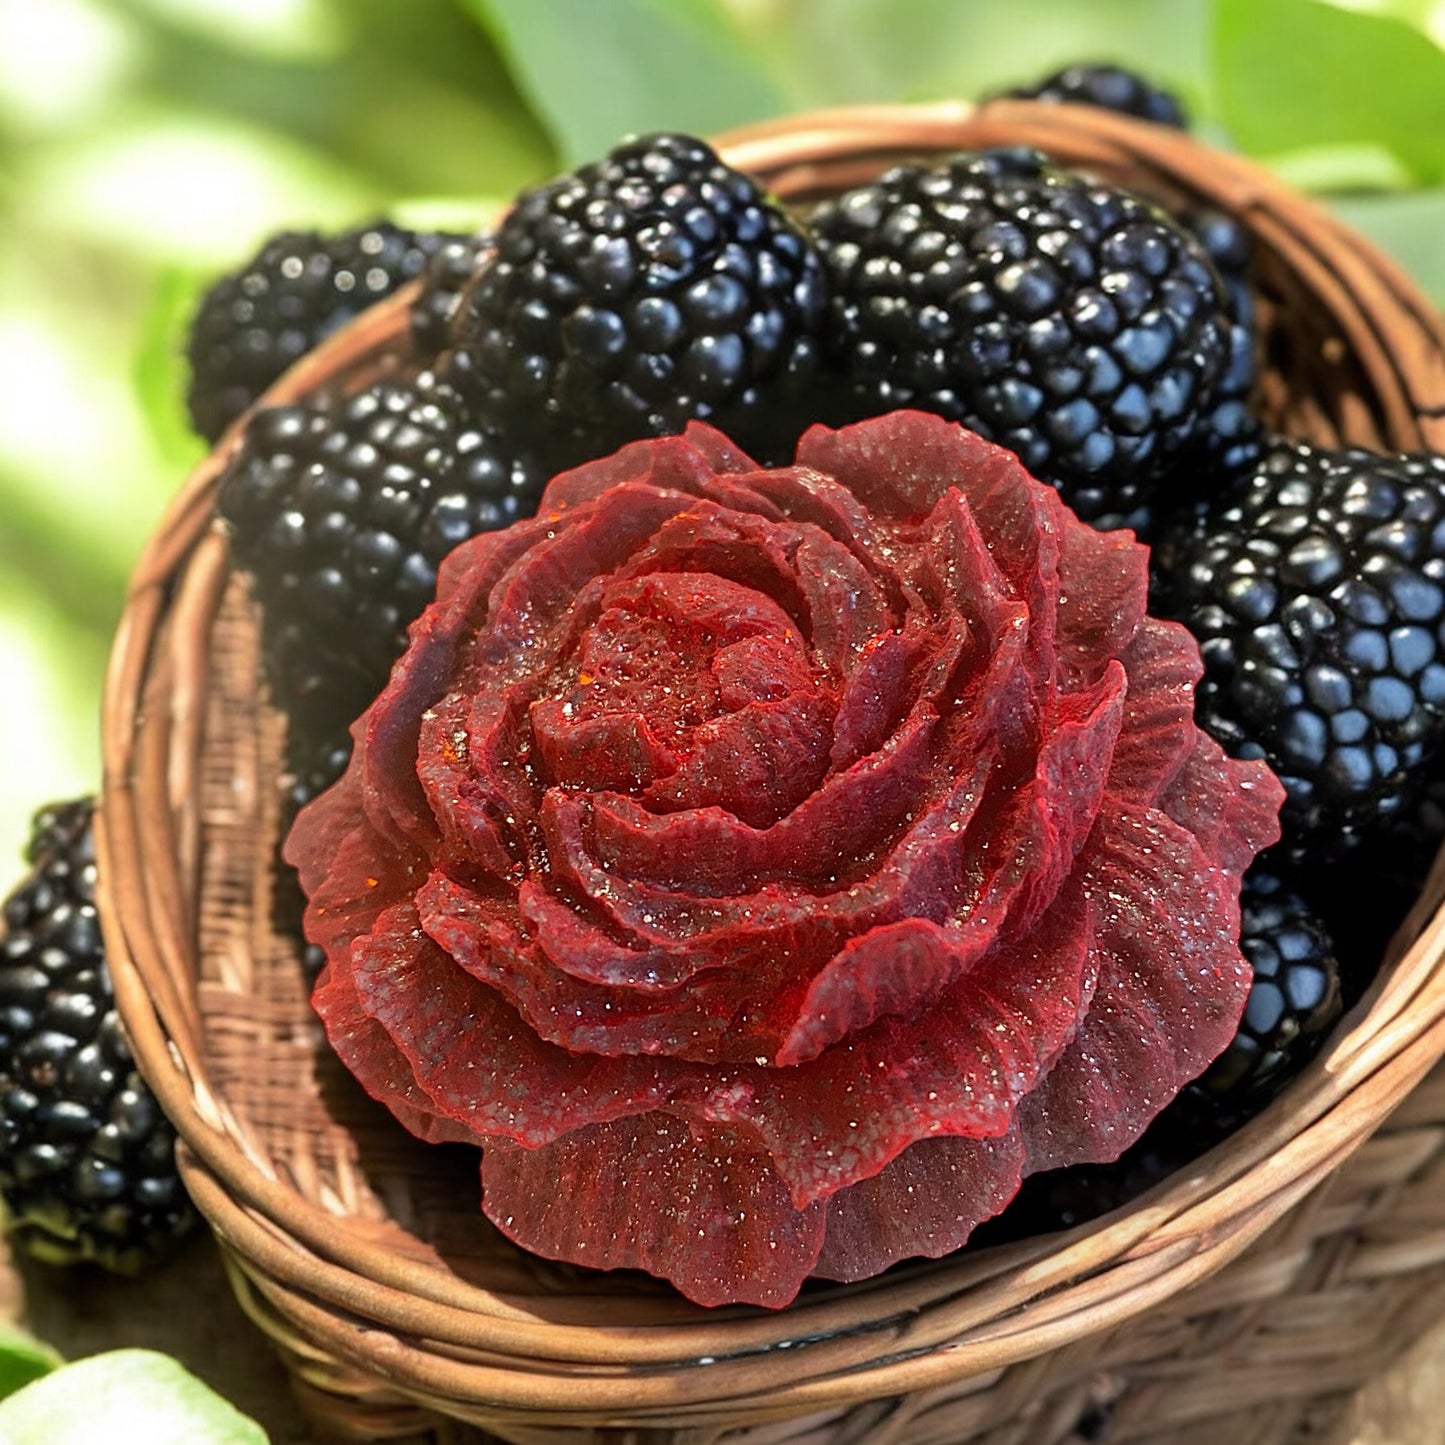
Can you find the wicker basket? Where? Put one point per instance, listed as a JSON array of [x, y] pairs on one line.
[[1241, 1300]]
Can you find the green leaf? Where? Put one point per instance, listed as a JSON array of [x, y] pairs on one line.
[[1407, 227], [1419, 13], [598, 71], [184, 188], [306, 28], [1297, 74], [835, 52], [461, 214], [1342, 168], [74, 570], [415, 99], [23, 1359], [130, 1394], [161, 374]]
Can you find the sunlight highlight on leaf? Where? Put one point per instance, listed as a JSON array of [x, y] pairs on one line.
[[125, 1394], [309, 29], [56, 670], [240, 186]]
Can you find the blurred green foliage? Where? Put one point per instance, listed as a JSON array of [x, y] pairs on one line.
[[146, 145]]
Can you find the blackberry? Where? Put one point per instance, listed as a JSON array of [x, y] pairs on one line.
[[293, 293], [315, 765], [448, 273], [1425, 825], [1294, 1000], [653, 287], [87, 1159], [342, 508], [1232, 437], [1069, 321], [1408, 847], [1316, 588], [1109, 87]]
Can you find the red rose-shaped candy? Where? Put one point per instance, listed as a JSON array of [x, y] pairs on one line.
[[769, 868]]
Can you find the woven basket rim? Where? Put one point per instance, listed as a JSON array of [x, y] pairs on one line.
[[919, 1325]]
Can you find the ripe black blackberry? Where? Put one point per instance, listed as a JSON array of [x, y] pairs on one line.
[[87, 1159], [1316, 588], [447, 275], [1069, 321], [1232, 436], [629, 297], [1409, 844], [1110, 87], [342, 508], [314, 766], [293, 293], [1293, 1002]]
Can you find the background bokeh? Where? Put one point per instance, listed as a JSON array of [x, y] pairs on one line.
[[147, 145]]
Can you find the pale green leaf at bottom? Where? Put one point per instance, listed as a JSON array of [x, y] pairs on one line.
[[126, 1394]]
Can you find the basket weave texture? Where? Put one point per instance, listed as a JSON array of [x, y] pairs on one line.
[[1241, 1300]]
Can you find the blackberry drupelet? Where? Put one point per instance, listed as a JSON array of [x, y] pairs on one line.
[[342, 509], [293, 293], [1070, 322], [638, 293], [1316, 588], [1294, 1000], [447, 275], [1109, 87], [87, 1159]]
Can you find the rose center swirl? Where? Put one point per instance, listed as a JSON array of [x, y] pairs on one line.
[[689, 691], [763, 781]]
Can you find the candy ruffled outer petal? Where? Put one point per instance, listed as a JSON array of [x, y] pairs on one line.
[[926, 1203], [901, 464], [719, 1224], [379, 1066], [1172, 987]]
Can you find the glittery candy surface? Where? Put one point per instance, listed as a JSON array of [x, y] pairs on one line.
[[768, 868]]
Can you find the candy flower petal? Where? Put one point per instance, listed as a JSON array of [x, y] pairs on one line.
[[767, 869]]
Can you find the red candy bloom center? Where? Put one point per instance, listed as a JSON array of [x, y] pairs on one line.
[[681, 676], [768, 868]]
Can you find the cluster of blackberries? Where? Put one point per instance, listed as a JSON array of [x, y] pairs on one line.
[[298, 288], [1076, 324], [87, 1158], [1109, 344]]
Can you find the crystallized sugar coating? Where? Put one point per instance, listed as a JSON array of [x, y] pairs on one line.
[[769, 868]]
